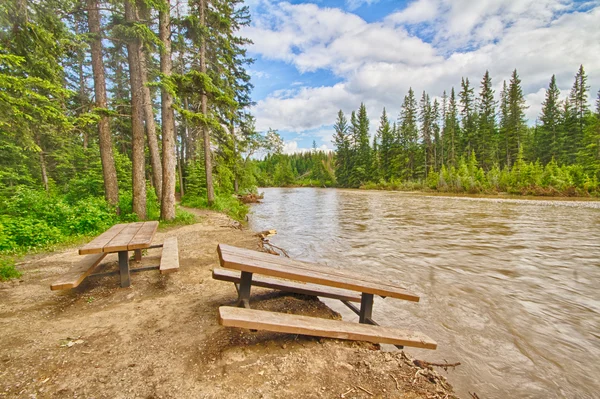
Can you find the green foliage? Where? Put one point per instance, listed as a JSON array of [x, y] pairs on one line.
[[308, 169], [181, 218], [33, 219], [226, 203], [7, 269]]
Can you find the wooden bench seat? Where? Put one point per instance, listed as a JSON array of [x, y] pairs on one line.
[[262, 263], [296, 324], [288, 286], [78, 272], [169, 261]]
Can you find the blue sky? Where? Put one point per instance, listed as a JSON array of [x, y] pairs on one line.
[[316, 57]]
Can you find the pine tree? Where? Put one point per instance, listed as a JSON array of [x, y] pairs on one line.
[[342, 144], [516, 128], [486, 134], [385, 149], [548, 142], [579, 100], [409, 135], [575, 117], [437, 142], [362, 156], [468, 118], [451, 130], [426, 119]]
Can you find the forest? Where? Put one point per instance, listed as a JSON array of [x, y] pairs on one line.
[[110, 109], [461, 142]]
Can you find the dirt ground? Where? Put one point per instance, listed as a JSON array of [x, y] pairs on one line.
[[160, 338]]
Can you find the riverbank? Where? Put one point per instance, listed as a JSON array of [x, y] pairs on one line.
[[160, 338]]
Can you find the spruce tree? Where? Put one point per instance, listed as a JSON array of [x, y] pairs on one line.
[[516, 128], [468, 118], [426, 119], [548, 131], [575, 117], [409, 136], [362, 157], [342, 144], [386, 136], [451, 130], [486, 134]]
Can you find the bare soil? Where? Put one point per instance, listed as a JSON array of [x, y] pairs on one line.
[[160, 338]]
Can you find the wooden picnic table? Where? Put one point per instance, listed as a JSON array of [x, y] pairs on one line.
[[312, 279], [120, 238], [123, 238]]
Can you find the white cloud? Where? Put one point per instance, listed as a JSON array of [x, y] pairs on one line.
[[291, 147], [377, 62], [416, 12]]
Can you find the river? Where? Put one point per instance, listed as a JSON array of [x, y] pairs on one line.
[[509, 287]]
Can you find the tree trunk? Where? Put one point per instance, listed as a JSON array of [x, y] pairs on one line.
[[137, 118], [167, 206], [109, 172], [210, 194], [236, 184], [144, 13]]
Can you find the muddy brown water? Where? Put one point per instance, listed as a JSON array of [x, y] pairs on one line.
[[509, 287]]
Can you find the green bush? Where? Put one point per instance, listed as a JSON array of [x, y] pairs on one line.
[[7, 269], [226, 203], [18, 234]]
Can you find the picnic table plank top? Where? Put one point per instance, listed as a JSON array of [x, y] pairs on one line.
[[95, 246], [144, 236], [262, 263], [121, 241], [121, 236]]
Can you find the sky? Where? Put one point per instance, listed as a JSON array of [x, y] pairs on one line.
[[316, 57]]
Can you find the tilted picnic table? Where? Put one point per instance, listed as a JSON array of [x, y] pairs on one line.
[[312, 279]]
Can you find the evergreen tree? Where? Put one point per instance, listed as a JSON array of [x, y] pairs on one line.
[[341, 142], [468, 118], [437, 142], [515, 123], [409, 136], [576, 107], [548, 143], [386, 136], [579, 100], [451, 130], [426, 119], [486, 137], [362, 156]]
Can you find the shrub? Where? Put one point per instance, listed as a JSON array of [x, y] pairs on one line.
[[7, 269]]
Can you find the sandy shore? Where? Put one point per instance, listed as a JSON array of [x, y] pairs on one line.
[[160, 338]]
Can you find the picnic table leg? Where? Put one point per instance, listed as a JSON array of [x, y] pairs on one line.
[[366, 308], [124, 268], [244, 290], [137, 255]]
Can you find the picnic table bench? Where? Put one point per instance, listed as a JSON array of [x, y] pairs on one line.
[[312, 279], [120, 238]]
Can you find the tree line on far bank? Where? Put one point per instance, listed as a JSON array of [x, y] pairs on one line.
[[466, 142]]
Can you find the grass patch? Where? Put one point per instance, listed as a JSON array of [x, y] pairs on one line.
[[8, 270], [228, 204], [182, 218]]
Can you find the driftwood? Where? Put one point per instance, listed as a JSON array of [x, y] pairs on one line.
[[427, 365], [265, 246], [250, 198]]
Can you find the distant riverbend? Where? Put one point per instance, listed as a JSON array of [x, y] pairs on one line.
[[508, 286]]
